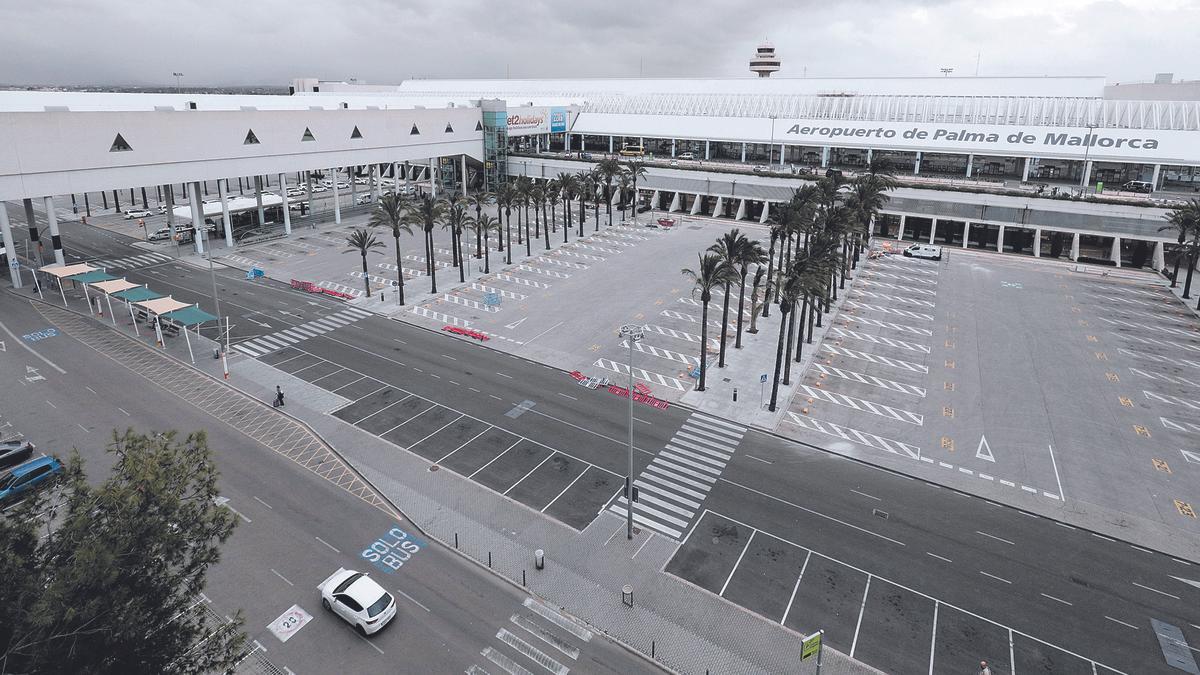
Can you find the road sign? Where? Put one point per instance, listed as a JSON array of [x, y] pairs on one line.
[[289, 623], [491, 299], [762, 378], [811, 646]]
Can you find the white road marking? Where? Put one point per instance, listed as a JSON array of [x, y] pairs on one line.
[[739, 562], [1057, 599], [1155, 590], [992, 536], [934, 555], [503, 375], [331, 546], [764, 461], [861, 608], [866, 495], [795, 588], [994, 577], [413, 600], [263, 503], [124, 411], [1128, 625], [285, 579], [567, 396]]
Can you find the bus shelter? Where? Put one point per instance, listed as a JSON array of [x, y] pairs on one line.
[[179, 313], [90, 279], [134, 295], [64, 272], [108, 288]]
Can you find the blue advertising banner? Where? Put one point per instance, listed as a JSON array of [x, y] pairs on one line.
[[558, 120]]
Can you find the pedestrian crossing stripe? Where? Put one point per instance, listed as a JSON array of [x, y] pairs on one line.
[[135, 261], [265, 344], [673, 487]]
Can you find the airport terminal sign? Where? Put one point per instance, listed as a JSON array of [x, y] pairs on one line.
[[529, 120]]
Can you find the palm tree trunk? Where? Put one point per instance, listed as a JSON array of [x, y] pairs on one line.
[[597, 204], [770, 270], [703, 346], [753, 329], [787, 360], [724, 327], [487, 261], [462, 266], [1187, 285], [528, 249], [508, 233], [844, 265], [1175, 273], [432, 267], [800, 332], [428, 253], [366, 275], [812, 312], [399, 270], [608, 202], [778, 357], [781, 267], [478, 213], [582, 212], [519, 241], [737, 343]]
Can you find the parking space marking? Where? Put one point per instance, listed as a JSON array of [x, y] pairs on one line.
[[1172, 400], [1165, 378], [671, 332], [641, 374], [1156, 341], [897, 287], [861, 609], [439, 316], [855, 436], [715, 323], [1140, 326], [666, 354], [889, 310], [894, 298], [879, 340], [862, 404], [900, 277], [847, 317], [875, 358], [522, 281]]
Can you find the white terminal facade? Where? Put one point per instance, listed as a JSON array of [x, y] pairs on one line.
[[985, 161]]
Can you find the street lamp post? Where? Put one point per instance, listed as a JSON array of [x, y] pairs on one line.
[[631, 333], [178, 77]]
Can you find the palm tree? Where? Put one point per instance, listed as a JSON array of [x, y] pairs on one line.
[[483, 226], [389, 212], [755, 306], [506, 196], [479, 200], [363, 241], [624, 183], [598, 194], [537, 195], [426, 212], [608, 170], [806, 274], [636, 169], [778, 221], [711, 273], [750, 253], [1186, 220], [456, 220], [523, 185], [729, 246], [569, 184], [584, 186], [880, 170], [865, 198], [553, 197]]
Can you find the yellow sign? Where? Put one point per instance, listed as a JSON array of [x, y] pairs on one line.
[[811, 646]]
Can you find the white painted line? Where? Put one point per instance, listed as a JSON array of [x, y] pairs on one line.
[[986, 477], [285, 579], [85, 429], [331, 546], [264, 503], [994, 577], [651, 536], [1155, 590], [90, 389], [1100, 536], [124, 411], [475, 390], [496, 397], [739, 562], [1057, 599], [413, 600], [764, 461], [449, 357], [866, 495], [1009, 483], [539, 465], [810, 511], [1029, 489], [992, 536], [51, 405], [948, 466], [570, 397], [934, 555], [1069, 527], [966, 471], [795, 588], [861, 609], [503, 375], [1128, 625], [933, 636], [1056, 478], [373, 645]]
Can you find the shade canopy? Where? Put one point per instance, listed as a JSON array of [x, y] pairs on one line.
[[137, 294], [64, 271], [189, 316], [92, 277], [114, 286], [161, 306]]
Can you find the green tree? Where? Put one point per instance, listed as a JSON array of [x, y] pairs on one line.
[[484, 226], [635, 169], [506, 197], [624, 185], [584, 186], [478, 201], [729, 246], [427, 212], [457, 219], [608, 169], [569, 185], [109, 583], [523, 185], [389, 212], [362, 241], [712, 272], [537, 197], [750, 253], [1186, 221], [806, 275]]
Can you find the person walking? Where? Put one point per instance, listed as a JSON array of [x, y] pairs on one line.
[[279, 404], [983, 668]]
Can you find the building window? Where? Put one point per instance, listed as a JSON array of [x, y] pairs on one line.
[[119, 145], [308, 135]]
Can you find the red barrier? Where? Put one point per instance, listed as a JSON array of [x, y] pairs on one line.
[[337, 294], [466, 332]]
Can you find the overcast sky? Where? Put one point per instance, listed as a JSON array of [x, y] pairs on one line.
[[215, 42]]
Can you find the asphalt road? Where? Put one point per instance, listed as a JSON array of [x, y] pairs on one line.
[[295, 529], [1067, 596]]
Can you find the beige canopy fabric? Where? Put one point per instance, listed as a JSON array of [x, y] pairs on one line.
[[68, 270], [114, 286], [161, 306]]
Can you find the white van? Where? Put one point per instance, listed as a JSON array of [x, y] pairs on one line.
[[923, 251]]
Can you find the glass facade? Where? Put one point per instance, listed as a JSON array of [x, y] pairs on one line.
[[495, 144]]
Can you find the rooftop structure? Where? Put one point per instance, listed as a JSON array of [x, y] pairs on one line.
[[764, 62]]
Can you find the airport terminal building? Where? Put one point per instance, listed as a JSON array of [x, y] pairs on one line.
[[1063, 166]]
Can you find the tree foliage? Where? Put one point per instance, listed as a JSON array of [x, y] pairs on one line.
[[106, 579]]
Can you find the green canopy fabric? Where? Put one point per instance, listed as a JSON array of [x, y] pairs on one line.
[[189, 316], [137, 294], [91, 277]]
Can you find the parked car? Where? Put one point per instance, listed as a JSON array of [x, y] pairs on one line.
[[162, 234], [687, 155], [23, 479], [162, 208], [1138, 186], [585, 155], [928, 251], [137, 213], [319, 188], [13, 453], [364, 199], [296, 192], [360, 601], [362, 180], [760, 168]]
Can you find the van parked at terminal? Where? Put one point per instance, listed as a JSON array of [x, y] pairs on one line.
[[633, 151], [1138, 186], [928, 251]]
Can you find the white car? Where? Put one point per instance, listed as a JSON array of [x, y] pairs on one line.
[[923, 251], [137, 213], [319, 188], [163, 234], [296, 192], [364, 199], [362, 180], [358, 599], [687, 155]]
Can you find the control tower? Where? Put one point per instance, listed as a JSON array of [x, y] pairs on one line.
[[764, 62]]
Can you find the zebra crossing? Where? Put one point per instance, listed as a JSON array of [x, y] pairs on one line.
[[134, 261], [536, 635], [265, 344], [673, 486]]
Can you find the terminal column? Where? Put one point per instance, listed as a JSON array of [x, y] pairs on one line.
[[966, 233], [1075, 247], [1115, 254], [706, 148], [1155, 176], [825, 157], [464, 176], [337, 201], [226, 221], [1037, 243], [672, 147], [610, 145], [1158, 259], [262, 219], [743, 153], [198, 228], [55, 240], [287, 208], [1025, 171], [932, 229], [917, 164], [169, 193], [1000, 240], [970, 164], [900, 233], [6, 238], [1087, 174], [34, 237]]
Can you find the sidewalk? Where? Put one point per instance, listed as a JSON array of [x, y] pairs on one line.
[[688, 630]]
